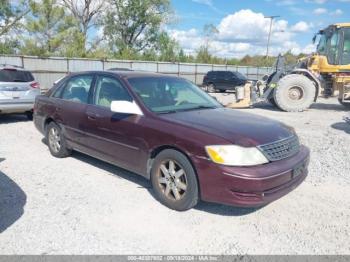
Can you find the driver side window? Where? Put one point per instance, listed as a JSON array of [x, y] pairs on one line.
[[109, 89]]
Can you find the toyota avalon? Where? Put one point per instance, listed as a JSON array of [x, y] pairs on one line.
[[171, 132]]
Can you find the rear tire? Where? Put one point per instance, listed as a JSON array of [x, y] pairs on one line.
[[294, 93], [29, 115], [211, 88], [346, 105], [174, 180], [56, 141]]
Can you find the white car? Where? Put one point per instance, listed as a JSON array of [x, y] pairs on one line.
[[18, 90]]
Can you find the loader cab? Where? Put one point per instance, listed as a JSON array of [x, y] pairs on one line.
[[334, 43]]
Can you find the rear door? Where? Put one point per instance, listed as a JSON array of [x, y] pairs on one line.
[[71, 105], [17, 86], [220, 80], [229, 81]]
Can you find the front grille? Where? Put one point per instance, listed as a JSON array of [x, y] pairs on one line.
[[281, 149]]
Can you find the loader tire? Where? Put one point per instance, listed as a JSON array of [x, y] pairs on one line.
[[294, 93]]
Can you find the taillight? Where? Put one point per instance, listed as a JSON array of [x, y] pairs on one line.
[[35, 85]]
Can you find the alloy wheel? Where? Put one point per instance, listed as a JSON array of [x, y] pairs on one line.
[[54, 139], [172, 180]]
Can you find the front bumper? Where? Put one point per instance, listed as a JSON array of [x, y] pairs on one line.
[[251, 186]]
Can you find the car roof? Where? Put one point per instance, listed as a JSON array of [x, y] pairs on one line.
[[14, 67], [126, 74]]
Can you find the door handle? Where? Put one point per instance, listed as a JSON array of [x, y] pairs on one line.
[[92, 116]]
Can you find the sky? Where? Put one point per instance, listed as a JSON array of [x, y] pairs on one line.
[[242, 28]]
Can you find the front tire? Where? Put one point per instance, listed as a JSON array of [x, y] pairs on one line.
[[294, 93], [174, 180], [56, 141]]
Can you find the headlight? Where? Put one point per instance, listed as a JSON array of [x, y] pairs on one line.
[[232, 155]]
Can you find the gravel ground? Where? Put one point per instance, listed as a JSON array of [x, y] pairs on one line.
[[80, 205]]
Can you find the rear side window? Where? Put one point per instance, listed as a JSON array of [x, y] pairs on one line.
[[228, 75], [221, 74], [77, 89], [13, 75], [212, 74], [239, 75]]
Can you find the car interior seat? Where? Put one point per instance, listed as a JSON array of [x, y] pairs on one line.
[[78, 93]]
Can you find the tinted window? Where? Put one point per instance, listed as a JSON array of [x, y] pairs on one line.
[[228, 75], [77, 89], [58, 91], [239, 75], [109, 89], [163, 94], [346, 48], [221, 74], [321, 48], [13, 75]]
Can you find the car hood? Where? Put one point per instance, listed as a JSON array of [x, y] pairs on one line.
[[237, 127]]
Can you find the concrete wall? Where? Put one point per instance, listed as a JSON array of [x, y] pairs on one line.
[[48, 70]]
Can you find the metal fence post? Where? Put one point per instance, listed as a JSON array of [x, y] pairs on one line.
[[195, 73]]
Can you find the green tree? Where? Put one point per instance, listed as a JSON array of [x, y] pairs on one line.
[[11, 15], [50, 30], [203, 55], [167, 47], [86, 13], [133, 25]]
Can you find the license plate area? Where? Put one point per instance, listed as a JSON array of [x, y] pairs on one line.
[[16, 94]]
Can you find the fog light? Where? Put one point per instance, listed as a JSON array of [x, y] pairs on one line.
[[248, 195]]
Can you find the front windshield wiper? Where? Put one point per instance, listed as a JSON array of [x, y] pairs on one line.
[[167, 111], [199, 107]]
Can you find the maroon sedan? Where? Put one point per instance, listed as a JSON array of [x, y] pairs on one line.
[[169, 131]]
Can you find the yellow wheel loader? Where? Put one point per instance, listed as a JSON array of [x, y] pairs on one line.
[[324, 73]]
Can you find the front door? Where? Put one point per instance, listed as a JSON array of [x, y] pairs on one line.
[[114, 137]]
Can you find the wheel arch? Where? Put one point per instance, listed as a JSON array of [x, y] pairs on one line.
[[312, 77], [155, 151], [47, 122]]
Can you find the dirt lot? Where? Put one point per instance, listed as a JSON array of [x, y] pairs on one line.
[[80, 205]]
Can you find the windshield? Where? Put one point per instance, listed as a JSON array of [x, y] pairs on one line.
[[167, 94]]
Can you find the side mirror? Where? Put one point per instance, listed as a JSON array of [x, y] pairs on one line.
[[126, 107]]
